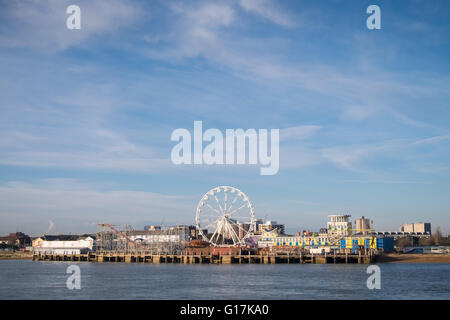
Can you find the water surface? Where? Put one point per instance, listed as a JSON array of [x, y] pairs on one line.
[[23, 279]]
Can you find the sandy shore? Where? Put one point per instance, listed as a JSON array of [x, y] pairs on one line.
[[18, 255], [414, 258]]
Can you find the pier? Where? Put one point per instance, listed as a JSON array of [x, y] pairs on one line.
[[147, 257]]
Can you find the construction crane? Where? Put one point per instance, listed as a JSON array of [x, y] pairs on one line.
[[137, 244]]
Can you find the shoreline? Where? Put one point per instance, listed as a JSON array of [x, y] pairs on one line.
[[413, 258], [16, 255]]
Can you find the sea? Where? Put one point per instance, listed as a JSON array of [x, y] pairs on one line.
[[25, 279]]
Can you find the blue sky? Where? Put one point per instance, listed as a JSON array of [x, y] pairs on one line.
[[86, 115]]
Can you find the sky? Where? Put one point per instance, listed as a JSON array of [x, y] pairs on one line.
[[86, 115]]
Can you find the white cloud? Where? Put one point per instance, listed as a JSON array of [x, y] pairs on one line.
[[205, 29], [42, 24], [357, 113], [346, 157], [196, 31], [299, 157], [351, 157], [433, 140], [212, 15], [87, 147], [268, 10], [298, 133], [403, 118], [102, 161]]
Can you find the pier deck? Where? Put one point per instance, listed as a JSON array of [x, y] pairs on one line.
[[143, 257]]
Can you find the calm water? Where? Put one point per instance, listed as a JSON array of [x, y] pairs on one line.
[[31, 280]]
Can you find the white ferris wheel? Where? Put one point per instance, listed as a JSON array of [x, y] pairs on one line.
[[224, 216]]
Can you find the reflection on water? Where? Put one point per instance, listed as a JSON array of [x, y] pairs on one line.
[[47, 280]]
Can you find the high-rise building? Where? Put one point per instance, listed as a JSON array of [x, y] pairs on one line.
[[423, 227], [271, 225], [420, 227], [362, 225], [407, 227]]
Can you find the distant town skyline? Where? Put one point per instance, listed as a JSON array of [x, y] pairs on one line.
[[86, 115]]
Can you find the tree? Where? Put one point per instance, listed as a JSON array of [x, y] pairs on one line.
[[437, 237], [404, 242]]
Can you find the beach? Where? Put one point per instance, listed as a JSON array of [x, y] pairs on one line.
[[15, 255], [413, 258]]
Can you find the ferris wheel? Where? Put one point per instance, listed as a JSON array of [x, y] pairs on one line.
[[225, 215]]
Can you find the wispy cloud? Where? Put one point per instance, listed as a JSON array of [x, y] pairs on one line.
[[357, 113], [433, 140], [347, 157], [211, 31], [106, 97], [75, 206], [268, 10], [42, 24], [298, 133]]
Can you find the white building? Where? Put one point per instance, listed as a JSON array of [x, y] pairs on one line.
[[419, 227], [55, 246], [339, 224]]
